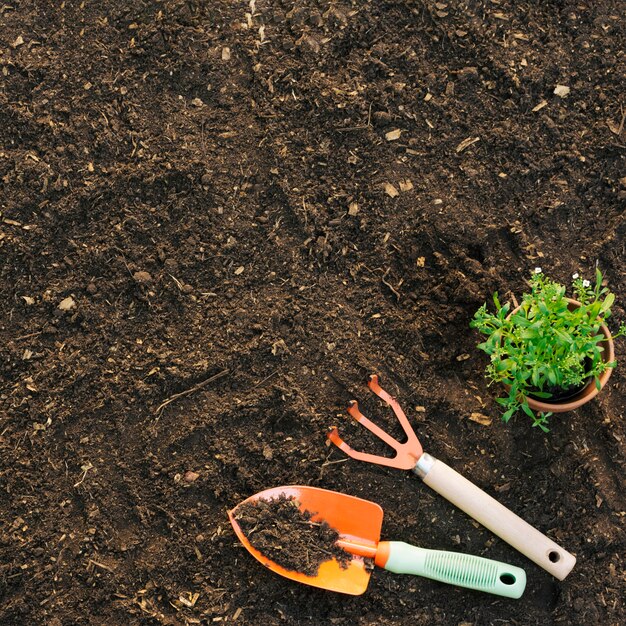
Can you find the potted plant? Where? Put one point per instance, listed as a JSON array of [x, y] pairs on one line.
[[552, 353]]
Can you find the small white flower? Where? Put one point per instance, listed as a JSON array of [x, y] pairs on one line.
[[575, 276], [537, 270], [586, 283]]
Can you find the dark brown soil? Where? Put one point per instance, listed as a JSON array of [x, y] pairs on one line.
[[288, 537], [243, 216]]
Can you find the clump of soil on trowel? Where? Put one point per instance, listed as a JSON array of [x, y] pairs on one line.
[[283, 533]]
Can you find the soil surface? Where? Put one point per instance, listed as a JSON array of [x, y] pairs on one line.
[[283, 533], [217, 218]]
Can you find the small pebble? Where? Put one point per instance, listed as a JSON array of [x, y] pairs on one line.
[[142, 277], [190, 476], [67, 304]]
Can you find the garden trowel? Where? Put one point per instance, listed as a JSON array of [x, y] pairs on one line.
[[358, 524]]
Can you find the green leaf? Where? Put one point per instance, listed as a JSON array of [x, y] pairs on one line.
[[519, 319], [542, 426], [542, 394], [608, 303], [563, 337], [507, 416], [529, 333], [484, 347], [503, 365]]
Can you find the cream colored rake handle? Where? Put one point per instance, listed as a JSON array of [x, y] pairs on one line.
[[497, 518]]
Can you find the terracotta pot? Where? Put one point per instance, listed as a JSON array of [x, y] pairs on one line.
[[589, 391]]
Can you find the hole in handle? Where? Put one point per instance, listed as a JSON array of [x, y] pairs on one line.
[[554, 556], [507, 579]]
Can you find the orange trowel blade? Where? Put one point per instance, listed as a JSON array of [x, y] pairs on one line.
[[358, 523]]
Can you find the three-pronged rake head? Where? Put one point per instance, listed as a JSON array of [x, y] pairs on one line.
[[407, 453]]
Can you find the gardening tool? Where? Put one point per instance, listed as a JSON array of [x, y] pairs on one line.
[[358, 523], [458, 490]]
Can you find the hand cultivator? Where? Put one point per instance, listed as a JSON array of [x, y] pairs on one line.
[[458, 490]]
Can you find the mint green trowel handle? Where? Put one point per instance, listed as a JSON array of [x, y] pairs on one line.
[[455, 568]]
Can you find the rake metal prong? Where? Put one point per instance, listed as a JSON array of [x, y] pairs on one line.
[[333, 436], [353, 410], [397, 409], [407, 453]]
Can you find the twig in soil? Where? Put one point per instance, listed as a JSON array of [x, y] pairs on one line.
[[188, 392], [28, 336], [177, 282], [329, 463], [88, 466], [333, 462], [379, 269], [165, 512], [102, 565], [52, 596], [389, 285], [306, 218], [322, 550], [265, 379], [621, 124]]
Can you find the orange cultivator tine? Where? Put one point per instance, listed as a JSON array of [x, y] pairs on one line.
[[407, 453]]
